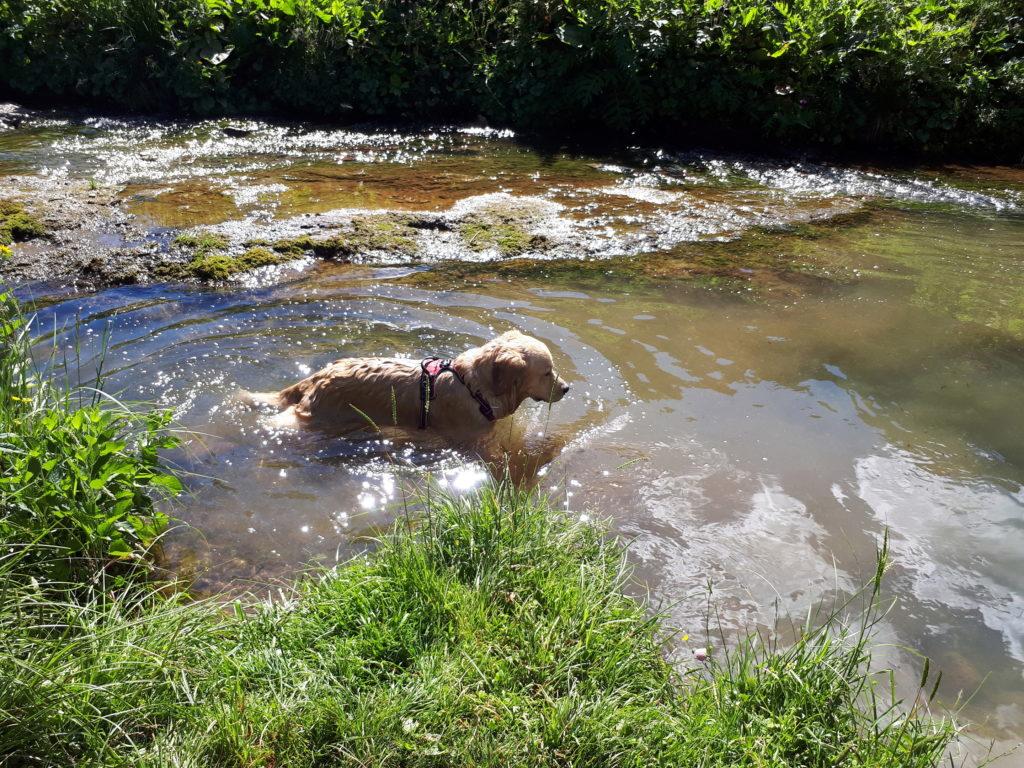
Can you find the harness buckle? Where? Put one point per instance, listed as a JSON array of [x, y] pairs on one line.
[[430, 369]]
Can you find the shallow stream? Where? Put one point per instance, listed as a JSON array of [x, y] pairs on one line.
[[772, 363]]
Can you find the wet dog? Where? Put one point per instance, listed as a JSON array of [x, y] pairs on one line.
[[460, 398]]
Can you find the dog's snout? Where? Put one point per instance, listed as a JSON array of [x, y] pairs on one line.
[[565, 387]]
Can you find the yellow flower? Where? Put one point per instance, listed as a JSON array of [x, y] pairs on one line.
[[5, 252]]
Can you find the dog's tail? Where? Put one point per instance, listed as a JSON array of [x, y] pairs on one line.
[[261, 399], [280, 400]]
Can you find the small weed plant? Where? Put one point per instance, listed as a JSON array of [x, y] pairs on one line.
[[78, 471]]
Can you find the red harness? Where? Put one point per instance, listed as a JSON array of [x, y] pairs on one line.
[[431, 368]]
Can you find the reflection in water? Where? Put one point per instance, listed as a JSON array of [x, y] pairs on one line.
[[762, 440]]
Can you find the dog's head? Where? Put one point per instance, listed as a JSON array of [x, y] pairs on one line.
[[520, 367]]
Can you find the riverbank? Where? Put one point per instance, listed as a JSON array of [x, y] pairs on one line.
[[490, 629], [938, 78]]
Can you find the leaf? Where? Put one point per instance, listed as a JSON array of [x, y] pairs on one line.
[[574, 35], [781, 50], [167, 482], [119, 548]]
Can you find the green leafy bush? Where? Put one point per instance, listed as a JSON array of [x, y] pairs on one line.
[[921, 75], [78, 472]]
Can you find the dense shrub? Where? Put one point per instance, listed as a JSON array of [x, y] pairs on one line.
[[925, 75]]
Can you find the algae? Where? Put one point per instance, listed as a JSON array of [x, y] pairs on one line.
[[17, 224], [221, 266], [368, 234]]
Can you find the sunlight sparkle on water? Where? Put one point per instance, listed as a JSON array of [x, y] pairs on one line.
[[465, 478]]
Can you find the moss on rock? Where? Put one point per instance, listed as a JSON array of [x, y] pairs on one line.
[[17, 224], [368, 234], [201, 243], [507, 237], [221, 266]]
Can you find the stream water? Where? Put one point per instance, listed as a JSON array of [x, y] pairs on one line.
[[772, 364]]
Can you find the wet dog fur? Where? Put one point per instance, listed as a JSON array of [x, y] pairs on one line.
[[379, 393]]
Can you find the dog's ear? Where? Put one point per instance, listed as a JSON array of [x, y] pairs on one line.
[[507, 371]]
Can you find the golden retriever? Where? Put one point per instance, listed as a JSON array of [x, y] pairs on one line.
[[461, 398]]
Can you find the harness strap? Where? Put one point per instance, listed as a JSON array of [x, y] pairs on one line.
[[431, 368]]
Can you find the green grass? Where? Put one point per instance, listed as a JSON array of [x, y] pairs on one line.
[[487, 630], [927, 76]]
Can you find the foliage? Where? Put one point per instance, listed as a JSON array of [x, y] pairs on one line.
[[923, 75], [78, 472]]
